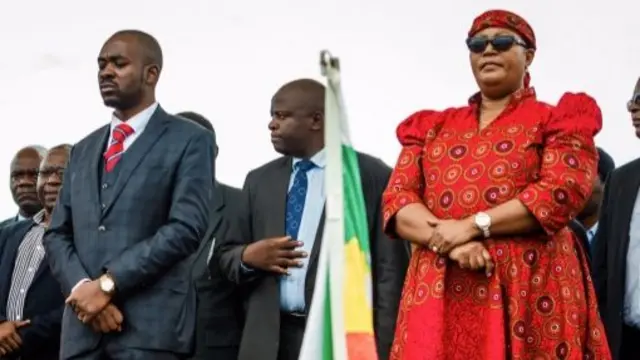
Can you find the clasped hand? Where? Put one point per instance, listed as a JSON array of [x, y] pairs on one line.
[[454, 238], [94, 307], [10, 340]]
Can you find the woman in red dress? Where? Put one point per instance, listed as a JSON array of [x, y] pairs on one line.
[[491, 186]]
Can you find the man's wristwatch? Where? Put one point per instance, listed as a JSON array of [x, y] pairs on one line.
[[482, 221], [107, 284]]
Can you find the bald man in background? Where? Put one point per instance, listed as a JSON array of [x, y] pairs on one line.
[[23, 177], [219, 311]]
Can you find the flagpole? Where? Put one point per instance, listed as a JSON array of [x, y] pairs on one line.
[[334, 211]]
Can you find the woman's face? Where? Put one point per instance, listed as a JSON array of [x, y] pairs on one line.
[[500, 71]]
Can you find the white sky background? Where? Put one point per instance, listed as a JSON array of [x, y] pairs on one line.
[[225, 59]]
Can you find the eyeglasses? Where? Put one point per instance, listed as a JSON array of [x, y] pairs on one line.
[[478, 44]]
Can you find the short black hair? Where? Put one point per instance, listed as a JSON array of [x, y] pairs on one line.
[[64, 147], [200, 120], [152, 51], [606, 165]]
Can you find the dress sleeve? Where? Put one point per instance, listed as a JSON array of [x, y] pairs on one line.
[[406, 184], [568, 163]]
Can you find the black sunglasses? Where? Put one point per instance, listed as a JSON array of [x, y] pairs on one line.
[[478, 44]]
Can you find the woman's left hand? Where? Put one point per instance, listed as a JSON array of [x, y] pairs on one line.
[[448, 234]]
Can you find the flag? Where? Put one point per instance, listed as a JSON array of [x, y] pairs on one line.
[[340, 324]]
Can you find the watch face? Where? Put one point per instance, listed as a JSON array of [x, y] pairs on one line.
[[106, 284], [483, 220]]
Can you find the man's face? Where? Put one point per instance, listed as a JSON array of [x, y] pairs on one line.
[[50, 177], [593, 204], [24, 175], [634, 108], [121, 72], [292, 124]]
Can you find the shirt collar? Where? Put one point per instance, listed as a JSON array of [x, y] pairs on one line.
[[39, 217], [139, 121], [594, 228], [319, 159]]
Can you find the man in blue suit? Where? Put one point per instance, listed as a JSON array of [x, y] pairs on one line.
[[134, 206], [30, 300]]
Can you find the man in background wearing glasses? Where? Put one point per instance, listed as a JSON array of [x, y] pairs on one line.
[[616, 253]]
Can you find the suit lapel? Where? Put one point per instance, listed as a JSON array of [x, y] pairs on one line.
[[277, 206], [10, 253], [217, 209], [137, 151], [93, 169]]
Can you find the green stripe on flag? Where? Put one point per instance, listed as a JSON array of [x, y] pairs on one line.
[[355, 224]]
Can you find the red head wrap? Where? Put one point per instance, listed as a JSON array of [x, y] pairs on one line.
[[507, 20]]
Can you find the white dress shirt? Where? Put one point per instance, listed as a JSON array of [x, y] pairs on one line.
[[632, 288]]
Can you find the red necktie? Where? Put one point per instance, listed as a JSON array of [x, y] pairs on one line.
[[116, 148]]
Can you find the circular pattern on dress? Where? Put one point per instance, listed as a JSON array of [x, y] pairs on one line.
[[469, 196], [474, 171], [532, 338], [553, 328], [458, 152], [550, 158], [507, 188], [437, 289], [519, 329], [459, 288], [499, 169], [512, 272], [446, 134], [406, 160], [558, 269], [571, 161], [399, 182], [452, 174], [421, 293], [481, 150], [491, 195], [530, 257], [562, 350], [513, 130], [560, 196], [446, 199], [504, 147], [432, 176], [480, 293], [436, 152], [431, 201], [545, 305]]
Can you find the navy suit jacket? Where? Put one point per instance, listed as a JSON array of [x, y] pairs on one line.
[[44, 302], [144, 235]]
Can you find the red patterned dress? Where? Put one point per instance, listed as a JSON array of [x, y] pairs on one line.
[[539, 303]]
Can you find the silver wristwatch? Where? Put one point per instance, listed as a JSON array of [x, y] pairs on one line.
[[483, 222]]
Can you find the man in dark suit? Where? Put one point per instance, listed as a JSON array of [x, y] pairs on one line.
[[134, 206], [23, 176], [616, 253], [220, 314], [271, 238], [585, 225], [31, 304]]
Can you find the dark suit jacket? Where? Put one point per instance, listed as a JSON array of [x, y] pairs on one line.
[[44, 302], [143, 236], [264, 193], [581, 233], [610, 246], [9, 221], [220, 311]]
